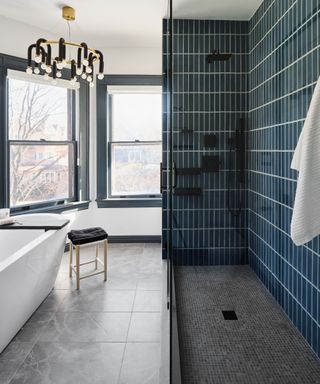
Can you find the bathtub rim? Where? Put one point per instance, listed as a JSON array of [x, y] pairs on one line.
[[26, 248]]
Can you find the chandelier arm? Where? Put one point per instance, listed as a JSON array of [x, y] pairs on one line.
[[79, 57], [101, 61], [43, 54], [61, 49], [54, 70], [73, 69], [85, 51], [30, 48], [38, 45], [48, 58], [94, 51]]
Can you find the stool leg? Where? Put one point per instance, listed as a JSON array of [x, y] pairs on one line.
[[70, 259], [105, 245], [97, 254], [78, 265]]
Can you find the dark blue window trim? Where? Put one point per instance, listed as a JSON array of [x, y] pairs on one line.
[[82, 169], [103, 170]]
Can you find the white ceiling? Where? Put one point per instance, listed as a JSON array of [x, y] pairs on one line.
[[120, 23]]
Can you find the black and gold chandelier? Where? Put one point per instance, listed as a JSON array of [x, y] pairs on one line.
[[50, 57]]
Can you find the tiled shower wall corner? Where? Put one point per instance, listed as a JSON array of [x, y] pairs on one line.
[[207, 99], [284, 64]]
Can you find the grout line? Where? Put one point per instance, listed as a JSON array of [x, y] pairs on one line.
[[283, 69], [271, 175], [275, 125], [272, 150], [300, 304], [273, 26], [211, 34], [285, 41], [283, 97], [281, 230], [284, 260], [211, 73], [269, 198], [262, 16]]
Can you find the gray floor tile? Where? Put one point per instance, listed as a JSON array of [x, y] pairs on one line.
[[99, 301], [115, 280], [53, 301], [145, 327], [147, 301], [115, 324], [11, 358], [79, 336], [32, 329], [73, 327], [141, 364], [262, 346], [150, 281], [68, 363]]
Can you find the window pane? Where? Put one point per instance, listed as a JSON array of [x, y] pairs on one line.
[[39, 173], [135, 169], [37, 111], [136, 117]]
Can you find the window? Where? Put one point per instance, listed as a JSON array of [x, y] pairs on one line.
[[44, 160], [42, 146], [129, 111], [134, 141]]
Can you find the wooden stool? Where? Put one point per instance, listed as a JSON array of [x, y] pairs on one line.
[[94, 236]]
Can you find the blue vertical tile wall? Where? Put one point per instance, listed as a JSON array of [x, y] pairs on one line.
[[207, 99], [270, 81], [284, 64]]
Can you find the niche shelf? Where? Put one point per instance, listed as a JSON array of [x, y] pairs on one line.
[[187, 191], [188, 171]]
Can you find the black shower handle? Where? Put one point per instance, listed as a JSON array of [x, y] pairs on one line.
[[174, 174]]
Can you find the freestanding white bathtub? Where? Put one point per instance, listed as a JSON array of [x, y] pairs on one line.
[[29, 262]]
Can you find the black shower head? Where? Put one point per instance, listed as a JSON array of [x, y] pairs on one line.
[[216, 56]]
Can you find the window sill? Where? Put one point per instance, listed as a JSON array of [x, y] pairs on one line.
[[78, 206], [129, 203]]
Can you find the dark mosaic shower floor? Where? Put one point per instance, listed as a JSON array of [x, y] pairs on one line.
[[262, 346]]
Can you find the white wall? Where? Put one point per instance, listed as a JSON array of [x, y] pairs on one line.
[[16, 37]]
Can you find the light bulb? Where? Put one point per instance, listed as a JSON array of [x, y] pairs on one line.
[[59, 65], [85, 62], [89, 70], [37, 59], [78, 71], [54, 81], [89, 78], [83, 76], [46, 76], [59, 74], [36, 70], [91, 85], [43, 66], [48, 69], [29, 70], [100, 76]]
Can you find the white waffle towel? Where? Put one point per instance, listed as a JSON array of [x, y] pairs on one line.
[[305, 224]]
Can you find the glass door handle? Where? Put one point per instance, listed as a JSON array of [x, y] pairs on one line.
[[161, 178]]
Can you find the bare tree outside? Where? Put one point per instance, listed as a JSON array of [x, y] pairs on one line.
[[38, 114]]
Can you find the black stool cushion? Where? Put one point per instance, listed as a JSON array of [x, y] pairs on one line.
[[88, 235]]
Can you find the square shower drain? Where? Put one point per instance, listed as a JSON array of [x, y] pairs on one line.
[[229, 315]]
